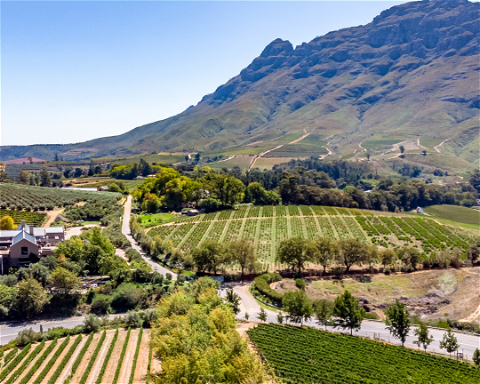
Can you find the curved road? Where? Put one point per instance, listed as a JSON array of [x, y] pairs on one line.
[[126, 231], [468, 343]]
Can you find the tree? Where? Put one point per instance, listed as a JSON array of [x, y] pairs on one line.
[[323, 312], [6, 223], [149, 317], [296, 252], [30, 160], [45, 180], [327, 252], [100, 303], [233, 300], [424, 152], [473, 253], [387, 257], [475, 179], [352, 251], [347, 312], [38, 271], [398, 321], [209, 256], [368, 156], [423, 337], [280, 318], [402, 149], [262, 315], [410, 256], [65, 280], [23, 177], [243, 253], [476, 357], [197, 157], [133, 319], [297, 305], [31, 297], [449, 342]]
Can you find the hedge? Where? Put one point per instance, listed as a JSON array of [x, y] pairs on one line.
[[107, 358], [83, 380], [14, 362], [122, 356], [27, 361], [65, 360], [79, 358], [262, 284], [139, 341], [52, 361], [41, 359]]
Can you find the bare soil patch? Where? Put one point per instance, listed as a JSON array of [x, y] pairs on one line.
[[140, 376], [51, 216], [112, 364], [97, 366], [86, 359], [128, 360], [59, 360], [68, 367]]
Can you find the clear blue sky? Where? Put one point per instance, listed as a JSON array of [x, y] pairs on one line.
[[73, 71]]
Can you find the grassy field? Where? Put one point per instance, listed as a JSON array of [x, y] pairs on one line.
[[242, 161], [454, 213], [155, 219], [381, 141], [95, 358], [161, 157], [267, 226], [301, 356], [269, 162], [429, 142]]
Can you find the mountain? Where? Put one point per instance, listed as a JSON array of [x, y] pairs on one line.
[[412, 72]]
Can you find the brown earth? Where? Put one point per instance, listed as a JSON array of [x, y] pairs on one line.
[[86, 359], [112, 364], [97, 366], [58, 361], [140, 376], [45, 362], [68, 367], [128, 359]]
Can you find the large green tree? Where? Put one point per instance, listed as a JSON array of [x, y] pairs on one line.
[[242, 252], [210, 256], [31, 297], [423, 337], [328, 252], [347, 312], [65, 280], [353, 251], [298, 306], [296, 252]]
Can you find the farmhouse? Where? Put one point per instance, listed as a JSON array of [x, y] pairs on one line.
[[26, 244]]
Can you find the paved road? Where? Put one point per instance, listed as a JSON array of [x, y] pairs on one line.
[[468, 343], [126, 231]]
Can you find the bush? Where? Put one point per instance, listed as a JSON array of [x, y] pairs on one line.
[[371, 316], [300, 284], [133, 319], [168, 276], [262, 284], [387, 271], [126, 296], [92, 323], [133, 255], [27, 336], [149, 317], [100, 303]]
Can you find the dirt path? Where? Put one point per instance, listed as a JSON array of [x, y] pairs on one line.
[[140, 376], [420, 145], [112, 364], [128, 360], [97, 366], [42, 366], [51, 216], [68, 367], [86, 359], [254, 160], [59, 360], [439, 145]]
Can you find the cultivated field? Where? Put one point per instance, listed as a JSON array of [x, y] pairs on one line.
[[267, 226], [34, 218], [454, 213], [314, 356], [242, 161], [268, 162], [108, 357]]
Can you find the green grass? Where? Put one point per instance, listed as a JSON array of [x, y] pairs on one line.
[[242, 161], [454, 213], [155, 219], [429, 142], [163, 157]]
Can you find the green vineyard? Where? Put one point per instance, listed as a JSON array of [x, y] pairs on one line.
[[267, 226], [300, 355], [34, 218]]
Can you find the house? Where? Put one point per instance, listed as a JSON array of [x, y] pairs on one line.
[[26, 244]]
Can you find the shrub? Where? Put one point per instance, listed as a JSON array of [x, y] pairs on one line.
[[386, 271], [300, 284], [133, 319], [262, 284], [126, 296], [27, 336], [149, 317], [92, 323]]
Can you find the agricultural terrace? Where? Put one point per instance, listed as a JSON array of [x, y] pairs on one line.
[[18, 197], [108, 357], [267, 226], [454, 213], [300, 355]]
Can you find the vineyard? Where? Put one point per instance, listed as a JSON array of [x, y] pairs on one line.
[[301, 355], [16, 196], [267, 226], [34, 218], [109, 357]]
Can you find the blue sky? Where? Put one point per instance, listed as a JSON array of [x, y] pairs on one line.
[[73, 71]]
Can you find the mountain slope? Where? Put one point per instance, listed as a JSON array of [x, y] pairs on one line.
[[412, 71]]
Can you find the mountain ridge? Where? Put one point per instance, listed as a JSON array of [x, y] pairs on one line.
[[412, 71]]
